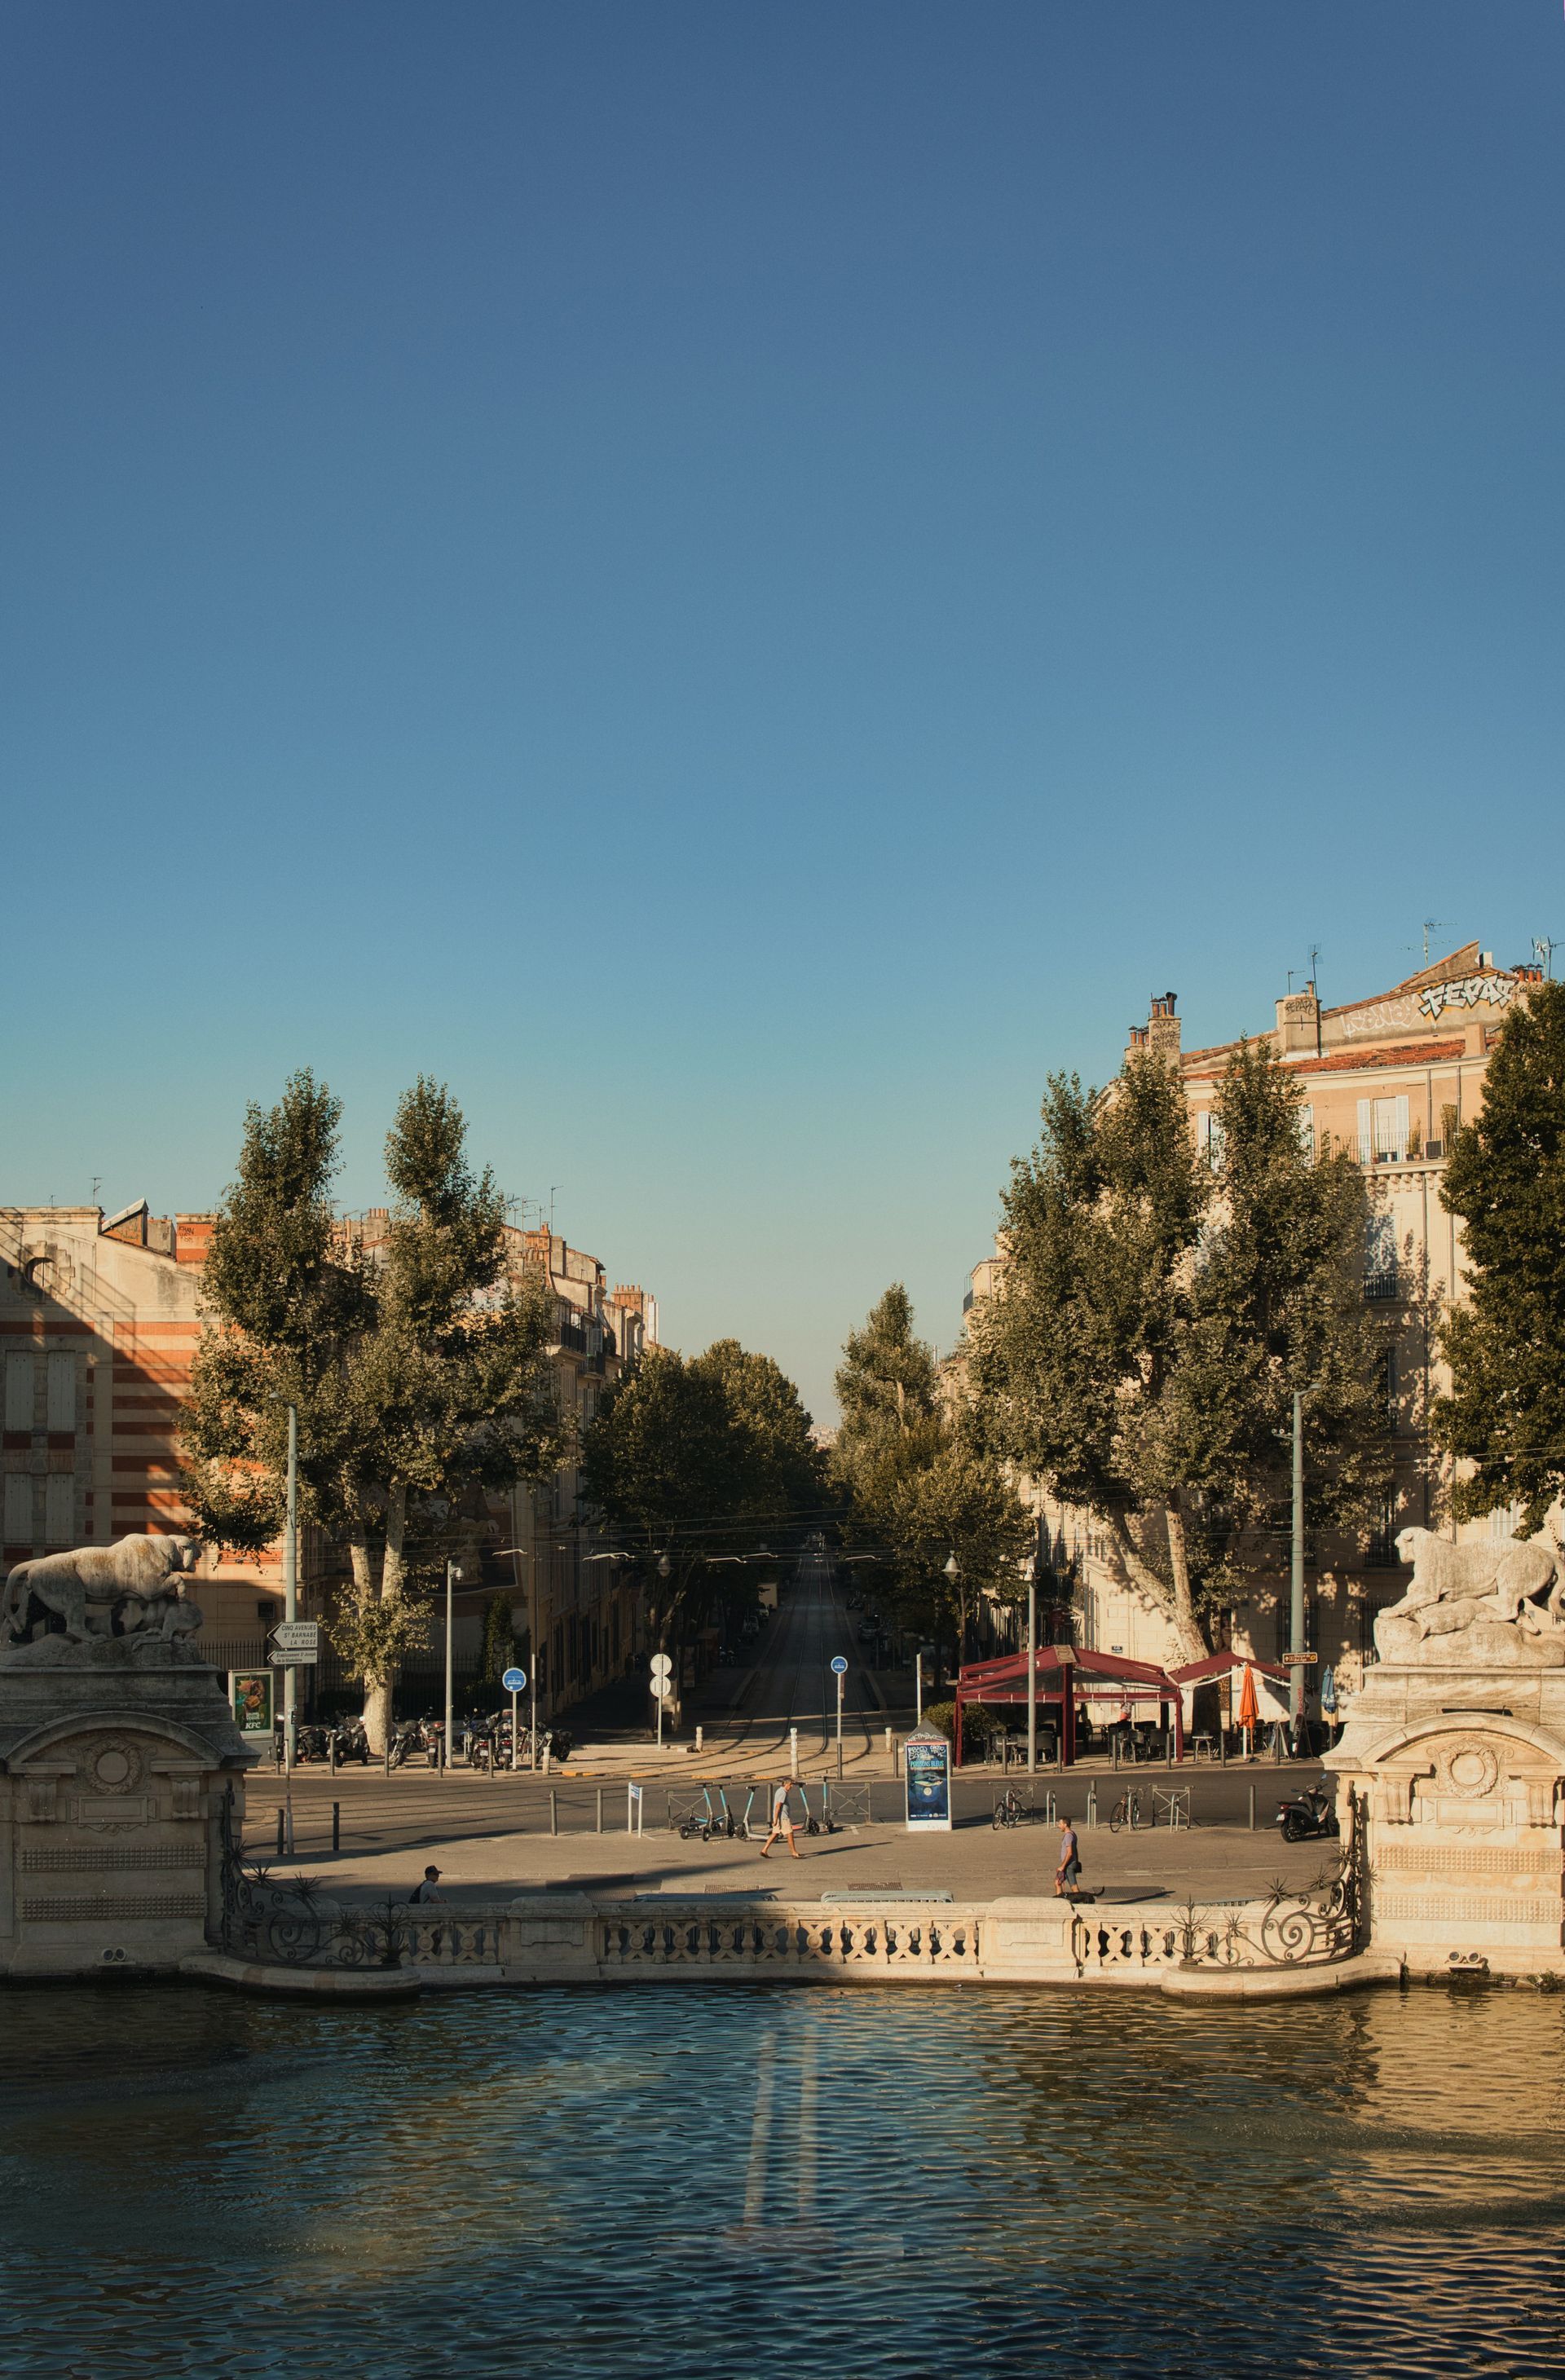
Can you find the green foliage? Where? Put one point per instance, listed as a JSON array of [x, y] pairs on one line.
[[697, 1458], [1142, 1350], [420, 1373], [977, 1724], [499, 1640], [920, 1481], [1504, 1178]]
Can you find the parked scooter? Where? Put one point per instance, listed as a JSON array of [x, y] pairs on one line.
[[1310, 1813]]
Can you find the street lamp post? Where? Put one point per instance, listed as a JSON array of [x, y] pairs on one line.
[[1297, 1582], [524, 1553], [451, 1575], [291, 1590], [1032, 1669]]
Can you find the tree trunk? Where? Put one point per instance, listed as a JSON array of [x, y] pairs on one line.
[[378, 1691], [1192, 1638], [1173, 1602]]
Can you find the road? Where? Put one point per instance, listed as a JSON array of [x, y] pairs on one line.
[[792, 1685]]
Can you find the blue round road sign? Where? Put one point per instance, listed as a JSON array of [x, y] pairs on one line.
[[513, 1681], [839, 1664]]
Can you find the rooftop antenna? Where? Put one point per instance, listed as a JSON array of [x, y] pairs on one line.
[[1542, 951], [552, 1187], [1435, 926], [1315, 971], [98, 1179]]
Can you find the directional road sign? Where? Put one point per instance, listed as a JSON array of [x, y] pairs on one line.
[[1300, 1661], [294, 1645], [514, 1681], [840, 1665]]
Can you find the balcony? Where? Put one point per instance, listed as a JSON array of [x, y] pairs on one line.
[[1381, 1285]]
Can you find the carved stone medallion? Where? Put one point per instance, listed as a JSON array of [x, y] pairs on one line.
[[1467, 1769], [116, 1764]]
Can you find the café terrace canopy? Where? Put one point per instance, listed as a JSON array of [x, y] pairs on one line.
[[1064, 1673]]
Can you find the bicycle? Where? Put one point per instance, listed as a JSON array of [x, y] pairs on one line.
[[1126, 1812], [1010, 1809]]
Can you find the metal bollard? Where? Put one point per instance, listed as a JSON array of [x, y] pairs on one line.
[[1251, 1809], [281, 1836], [891, 1754], [700, 1733], [1048, 1810], [553, 1811], [1092, 1805], [793, 1752], [599, 1809], [337, 1825]]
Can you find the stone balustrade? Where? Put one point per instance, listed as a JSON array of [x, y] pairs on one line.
[[277, 1935]]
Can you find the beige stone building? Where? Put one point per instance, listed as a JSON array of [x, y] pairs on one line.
[[1388, 1078], [99, 1317]]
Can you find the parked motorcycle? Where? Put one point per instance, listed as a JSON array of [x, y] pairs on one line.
[[1310, 1813]]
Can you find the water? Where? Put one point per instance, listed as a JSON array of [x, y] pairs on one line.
[[840, 2184]]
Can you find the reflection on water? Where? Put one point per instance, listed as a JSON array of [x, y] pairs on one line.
[[832, 2183]]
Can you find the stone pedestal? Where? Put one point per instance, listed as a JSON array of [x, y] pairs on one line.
[[1461, 1772], [116, 1756]]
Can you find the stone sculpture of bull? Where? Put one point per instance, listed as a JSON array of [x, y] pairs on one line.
[[83, 1589]]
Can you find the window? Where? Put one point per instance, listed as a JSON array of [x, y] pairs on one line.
[[1383, 1554], [1305, 1129], [1380, 1256], [1209, 1137], [1389, 1384], [18, 1506], [1502, 1522], [18, 1395], [59, 1508], [1382, 1130], [62, 1390]]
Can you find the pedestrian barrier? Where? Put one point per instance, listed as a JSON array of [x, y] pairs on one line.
[[1172, 1807]]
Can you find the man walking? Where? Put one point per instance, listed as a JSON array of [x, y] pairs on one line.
[[781, 1820], [1068, 1875]]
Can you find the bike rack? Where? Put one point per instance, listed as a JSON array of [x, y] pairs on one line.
[[1173, 1805]]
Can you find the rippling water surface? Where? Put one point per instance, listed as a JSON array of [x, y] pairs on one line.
[[825, 2183]]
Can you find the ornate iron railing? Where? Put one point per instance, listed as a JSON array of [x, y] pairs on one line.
[[1316, 1927]]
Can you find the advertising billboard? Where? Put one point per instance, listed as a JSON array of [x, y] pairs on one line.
[[250, 1696], [926, 1768]]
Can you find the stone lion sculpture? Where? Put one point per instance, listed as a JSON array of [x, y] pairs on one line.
[[134, 1582], [1475, 1606]]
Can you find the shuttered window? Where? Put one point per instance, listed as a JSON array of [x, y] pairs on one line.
[[59, 1508], [1382, 1130], [62, 1390], [19, 1393], [18, 1509]]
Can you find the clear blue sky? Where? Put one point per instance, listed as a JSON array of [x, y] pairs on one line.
[[741, 582]]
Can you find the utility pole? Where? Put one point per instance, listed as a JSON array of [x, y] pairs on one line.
[[446, 1743], [1032, 1668], [291, 1590], [1296, 1613]]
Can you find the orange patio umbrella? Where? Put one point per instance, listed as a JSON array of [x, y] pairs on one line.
[[1249, 1708]]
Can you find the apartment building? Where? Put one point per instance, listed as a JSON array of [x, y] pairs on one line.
[[1388, 1078], [99, 1318]]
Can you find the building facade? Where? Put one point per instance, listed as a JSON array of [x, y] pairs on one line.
[[99, 1317], [1389, 1078]]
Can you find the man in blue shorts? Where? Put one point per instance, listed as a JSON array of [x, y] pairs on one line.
[[1068, 1875]]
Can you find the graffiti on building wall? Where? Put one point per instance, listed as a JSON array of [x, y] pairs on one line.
[[1468, 991]]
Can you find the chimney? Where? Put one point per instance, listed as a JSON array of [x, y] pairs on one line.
[[1298, 1021], [1162, 1025]]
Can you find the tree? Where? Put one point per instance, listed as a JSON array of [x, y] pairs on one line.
[[922, 1486], [1504, 1179], [421, 1373], [696, 1460], [1142, 1350]]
